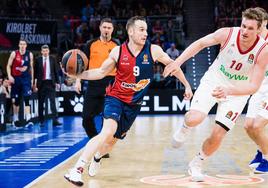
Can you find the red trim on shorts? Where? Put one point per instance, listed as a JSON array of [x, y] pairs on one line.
[[228, 38], [259, 51], [248, 50]]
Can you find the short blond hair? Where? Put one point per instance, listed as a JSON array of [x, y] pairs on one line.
[[253, 14], [264, 12]]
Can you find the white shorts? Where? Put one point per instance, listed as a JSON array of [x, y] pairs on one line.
[[258, 105], [228, 110]]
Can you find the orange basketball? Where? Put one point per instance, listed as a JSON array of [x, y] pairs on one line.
[[74, 62]]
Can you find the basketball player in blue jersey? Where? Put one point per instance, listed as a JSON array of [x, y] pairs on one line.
[[134, 62], [238, 70], [20, 74]]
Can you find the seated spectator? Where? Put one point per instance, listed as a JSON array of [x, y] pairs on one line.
[[173, 52], [157, 28], [87, 11]]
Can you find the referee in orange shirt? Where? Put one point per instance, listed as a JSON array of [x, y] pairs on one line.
[[97, 50]]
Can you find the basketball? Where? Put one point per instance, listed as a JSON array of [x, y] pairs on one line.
[[74, 62]]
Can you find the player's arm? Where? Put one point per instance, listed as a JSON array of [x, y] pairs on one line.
[[107, 66], [218, 37], [162, 57], [255, 82], [86, 49], [31, 68], [9, 64]]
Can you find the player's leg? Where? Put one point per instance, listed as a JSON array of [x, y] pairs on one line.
[[95, 163], [112, 112], [227, 114], [93, 145], [201, 104], [261, 139], [127, 118], [27, 92], [254, 107]]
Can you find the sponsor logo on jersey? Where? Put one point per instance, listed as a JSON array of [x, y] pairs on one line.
[[136, 86], [232, 76], [250, 58], [145, 59], [229, 114], [124, 60]]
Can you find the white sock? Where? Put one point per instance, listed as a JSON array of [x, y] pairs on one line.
[[201, 155], [15, 117], [81, 163], [97, 155]]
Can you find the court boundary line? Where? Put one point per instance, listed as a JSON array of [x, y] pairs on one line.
[[54, 168]]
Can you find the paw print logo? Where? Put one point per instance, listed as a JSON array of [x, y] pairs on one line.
[[77, 103]]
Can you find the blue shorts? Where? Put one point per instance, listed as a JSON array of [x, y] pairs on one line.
[[21, 87], [121, 112]]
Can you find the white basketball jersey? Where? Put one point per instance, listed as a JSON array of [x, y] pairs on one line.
[[232, 67]]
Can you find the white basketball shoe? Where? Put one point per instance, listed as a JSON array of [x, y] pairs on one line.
[[195, 170], [74, 176]]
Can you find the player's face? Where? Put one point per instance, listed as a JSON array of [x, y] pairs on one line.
[[106, 29], [249, 30], [22, 46], [139, 34], [45, 52]]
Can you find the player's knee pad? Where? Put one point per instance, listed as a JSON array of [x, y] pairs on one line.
[[26, 100]]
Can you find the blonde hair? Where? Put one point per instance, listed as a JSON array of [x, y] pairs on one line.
[[264, 12], [253, 14]]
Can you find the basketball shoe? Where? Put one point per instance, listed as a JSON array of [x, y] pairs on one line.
[[94, 167], [180, 136], [74, 176], [256, 161], [262, 168], [195, 169]]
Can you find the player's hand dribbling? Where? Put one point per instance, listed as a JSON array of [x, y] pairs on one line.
[[188, 93], [220, 92], [171, 69]]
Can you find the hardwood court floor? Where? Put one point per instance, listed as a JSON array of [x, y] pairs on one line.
[[146, 151]]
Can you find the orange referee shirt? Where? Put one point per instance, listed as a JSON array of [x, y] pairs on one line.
[[98, 52]]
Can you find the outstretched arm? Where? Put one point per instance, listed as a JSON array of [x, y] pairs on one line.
[[218, 37], [160, 56], [107, 66]]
